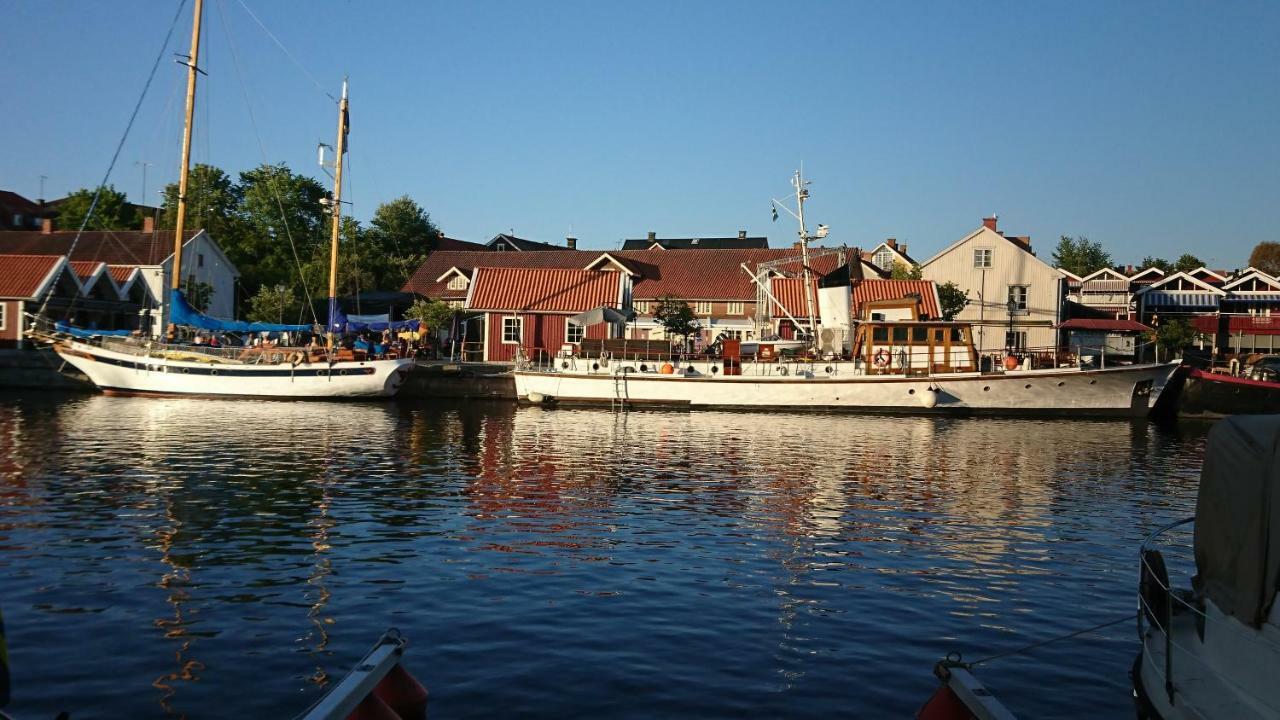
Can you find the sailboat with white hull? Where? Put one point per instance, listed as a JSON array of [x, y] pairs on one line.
[[139, 367]]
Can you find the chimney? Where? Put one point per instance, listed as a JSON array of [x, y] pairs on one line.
[[903, 248], [652, 236], [46, 226], [148, 224], [571, 242], [742, 234], [892, 242], [797, 245], [990, 222]]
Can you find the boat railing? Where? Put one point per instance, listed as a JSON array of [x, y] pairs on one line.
[[1160, 599]]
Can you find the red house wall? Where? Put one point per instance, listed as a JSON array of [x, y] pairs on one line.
[[543, 335], [12, 324]]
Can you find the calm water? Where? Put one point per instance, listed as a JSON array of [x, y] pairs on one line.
[[207, 558]]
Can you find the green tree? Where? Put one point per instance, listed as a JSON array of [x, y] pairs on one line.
[[1155, 262], [676, 317], [902, 271], [273, 304], [113, 211], [952, 299], [398, 239], [1187, 262], [1080, 255], [1173, 336], [1266, 257], [213, 204], [277, 206], [434, 314]]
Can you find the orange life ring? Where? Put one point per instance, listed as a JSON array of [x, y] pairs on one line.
[[881, 358]]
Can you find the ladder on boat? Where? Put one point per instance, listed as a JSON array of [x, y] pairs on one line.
[[619, 399]]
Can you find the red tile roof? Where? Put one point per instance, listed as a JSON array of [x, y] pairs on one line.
[[870, 290], [543, 289], [121, 273], [114, 247], [83, 268], [704, 275], [1103, 325], [22, 275], [790, 292]]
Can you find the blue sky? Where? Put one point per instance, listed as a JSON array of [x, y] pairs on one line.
[[1150, 127]]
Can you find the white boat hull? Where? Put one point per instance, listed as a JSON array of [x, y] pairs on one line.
[[1129, 390], [123, 373]]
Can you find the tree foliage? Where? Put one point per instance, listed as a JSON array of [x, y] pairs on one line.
[[1174, 335], [273, 304], [1266, 257], [1156, 262], [676, 317], [1187, 262], [1080, 255], [951, 299], [112, 213], [213, 204], [435, 314], [397, 242], [902, 271]]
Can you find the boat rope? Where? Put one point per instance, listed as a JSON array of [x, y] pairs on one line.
[[288, 54], [1042, 643], [97, 194], [272, 182]]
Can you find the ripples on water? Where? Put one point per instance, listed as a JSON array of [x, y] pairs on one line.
[[201, 558]]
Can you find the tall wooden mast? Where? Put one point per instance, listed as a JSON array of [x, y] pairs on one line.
[[180, 224], [337, 212]]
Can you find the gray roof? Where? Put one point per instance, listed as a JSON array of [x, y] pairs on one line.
[[722, 243]]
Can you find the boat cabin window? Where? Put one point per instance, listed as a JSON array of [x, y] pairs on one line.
[[880, 334], [919, 335], [899, 334], [957, 334]]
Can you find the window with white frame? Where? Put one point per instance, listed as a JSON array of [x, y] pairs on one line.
[[457, 304], [512, 330], [982, 257], [573, 332], [1017, 302], [735, 308], [1015, 341], [640, 306], [883, 259], [458, 282], [3, 307], [702, 307]]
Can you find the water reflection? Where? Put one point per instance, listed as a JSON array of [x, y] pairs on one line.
[[561, 561]]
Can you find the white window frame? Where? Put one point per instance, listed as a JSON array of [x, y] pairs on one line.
[[568, 337], [883, 259], [1016, 340], [457, 304], [457, 282], [4, 315], [736, 308], [702, 307], [519, 331], [640, 306], [982, 258], [1025, 293]]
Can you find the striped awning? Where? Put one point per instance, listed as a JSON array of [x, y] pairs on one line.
[[1180, 299], [1259, 297]]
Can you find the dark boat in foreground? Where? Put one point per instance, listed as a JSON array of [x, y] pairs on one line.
[[1212, 395]]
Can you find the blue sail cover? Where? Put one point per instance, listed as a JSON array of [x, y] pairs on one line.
[[181, 313], [339, 322], [74, 331]]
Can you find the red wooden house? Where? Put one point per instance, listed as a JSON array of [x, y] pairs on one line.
[[530, 308]]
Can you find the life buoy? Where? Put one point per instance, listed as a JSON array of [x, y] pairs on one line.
[[881, 358]]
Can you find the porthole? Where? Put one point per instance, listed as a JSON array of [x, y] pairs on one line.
[[342, 372], [830, 369], [564, 364], [1060, 383], [643, 367], [1093, 382], [912, 391], [715, 369], [186, 371], [986, 388], [595, 366], [213, 372], [689, 370], [1027, 386]]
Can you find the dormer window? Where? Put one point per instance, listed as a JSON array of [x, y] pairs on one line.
[[458, 282], [883, 259]]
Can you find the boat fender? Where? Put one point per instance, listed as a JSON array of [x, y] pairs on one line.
[[715, 369], [564, 364], [881, 358], [830, 369], [644, 367], [536, 398], [929, 398], [690, 371], [403, 694], [782, 370], [668, 369], [1153, 589]]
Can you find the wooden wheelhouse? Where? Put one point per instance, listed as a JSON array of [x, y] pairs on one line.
[[915, 347]]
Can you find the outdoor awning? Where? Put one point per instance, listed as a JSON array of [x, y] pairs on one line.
[[1168, 299], [1102, 325], [1259, 297], [600, 315]]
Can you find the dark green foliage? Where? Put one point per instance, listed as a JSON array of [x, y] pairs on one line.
[[113, 211], [676, 317], [1080, 255], [951, 299]]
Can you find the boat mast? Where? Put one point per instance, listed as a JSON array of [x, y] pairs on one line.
[[192, 64], [337, 213], [802, 193]]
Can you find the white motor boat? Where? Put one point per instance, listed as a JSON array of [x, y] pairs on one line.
[[1211, 647]]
